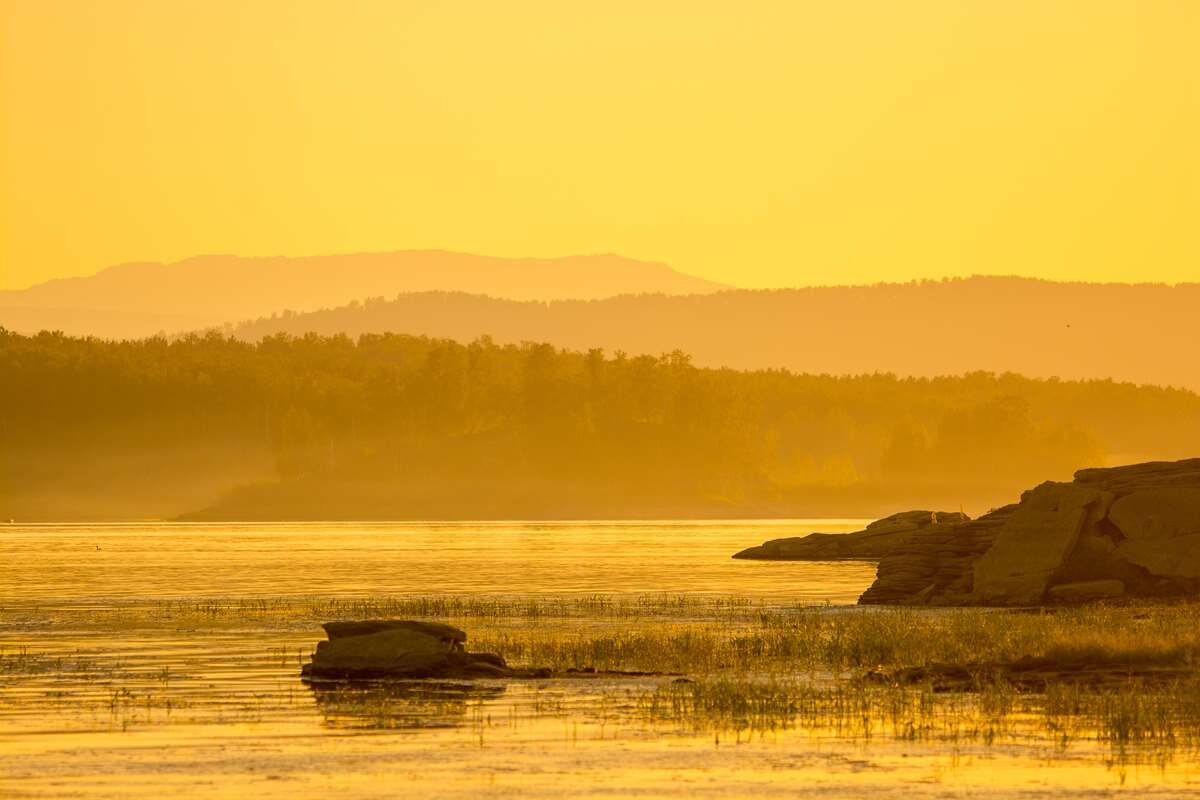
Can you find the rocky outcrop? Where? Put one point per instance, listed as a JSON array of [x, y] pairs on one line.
[[876, 541], [1034, 542], [1162, 530], [936, 563], [371, 649], [1130, 531]]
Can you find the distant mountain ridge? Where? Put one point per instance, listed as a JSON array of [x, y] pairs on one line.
[[142, 298], [1143, 333]]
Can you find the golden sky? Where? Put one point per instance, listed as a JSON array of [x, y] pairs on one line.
[[760, 144]]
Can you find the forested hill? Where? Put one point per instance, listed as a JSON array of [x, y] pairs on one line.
[[393, 426], [1141, 333], [142, 299]]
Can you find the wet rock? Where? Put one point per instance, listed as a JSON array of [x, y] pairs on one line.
[[874, 542], [370, 649]]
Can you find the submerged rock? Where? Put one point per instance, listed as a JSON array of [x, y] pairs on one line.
[[369, 649], [374, 649], [874, 542]]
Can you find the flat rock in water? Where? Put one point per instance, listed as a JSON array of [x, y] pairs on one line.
[[399, 649], [438, 630]]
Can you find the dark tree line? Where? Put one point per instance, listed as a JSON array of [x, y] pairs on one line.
[[404, 411]]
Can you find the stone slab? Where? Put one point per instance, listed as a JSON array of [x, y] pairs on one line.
[[1158, 514], [1033, 544], [1177, 557]]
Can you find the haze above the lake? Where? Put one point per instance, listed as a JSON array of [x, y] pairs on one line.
[[786, 145]]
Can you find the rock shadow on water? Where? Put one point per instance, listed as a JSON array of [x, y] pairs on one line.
[[400, 705]]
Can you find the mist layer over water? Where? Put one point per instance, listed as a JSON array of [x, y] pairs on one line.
[[80, 562]]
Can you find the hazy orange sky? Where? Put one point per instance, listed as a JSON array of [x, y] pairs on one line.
[[760, 144]]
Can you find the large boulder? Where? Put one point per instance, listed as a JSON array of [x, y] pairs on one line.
[[370, 649], [873, 543]]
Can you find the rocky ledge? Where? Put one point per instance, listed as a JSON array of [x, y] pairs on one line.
[[876, 541], [1130, 531], [392, 648]]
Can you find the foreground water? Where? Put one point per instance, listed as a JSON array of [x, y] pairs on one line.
[[155, 660]]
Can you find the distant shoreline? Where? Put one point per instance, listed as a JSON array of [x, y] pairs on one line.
[[451, 521]]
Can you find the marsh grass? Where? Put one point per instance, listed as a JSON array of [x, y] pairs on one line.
[[19, 661], [687, 632], [850, 710], [842, 642], [751, 668], [1135, 723]]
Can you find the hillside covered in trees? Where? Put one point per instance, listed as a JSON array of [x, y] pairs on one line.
[[1142, 333], [395, 426]]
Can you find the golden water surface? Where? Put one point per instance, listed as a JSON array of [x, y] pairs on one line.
[[159, 660]]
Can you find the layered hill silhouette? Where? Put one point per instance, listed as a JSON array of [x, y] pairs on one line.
[[142, 299], [1143, 333]]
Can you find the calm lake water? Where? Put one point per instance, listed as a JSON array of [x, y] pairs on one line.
[[152, 660], [91, 562]]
